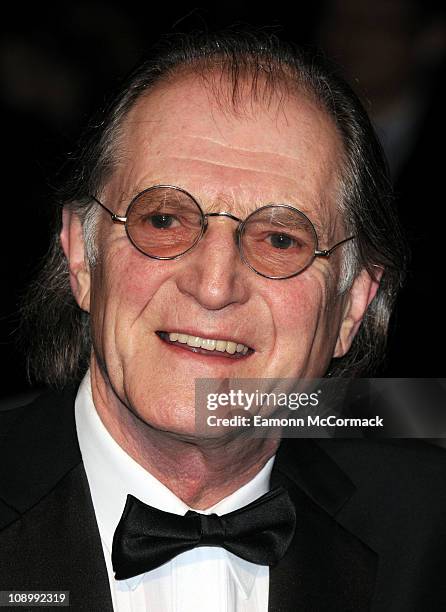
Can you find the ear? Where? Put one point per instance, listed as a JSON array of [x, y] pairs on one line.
[[72, 240], [362, 292]]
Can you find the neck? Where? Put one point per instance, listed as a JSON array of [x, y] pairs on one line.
[[200, 472]]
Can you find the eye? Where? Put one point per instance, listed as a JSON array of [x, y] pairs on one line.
[[161, 221], [282, 241]]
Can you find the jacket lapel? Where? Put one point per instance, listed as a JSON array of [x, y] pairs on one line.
[[56, 545], [326, 568], [49, 535]]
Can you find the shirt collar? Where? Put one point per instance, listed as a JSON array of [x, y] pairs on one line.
[[112, 474]]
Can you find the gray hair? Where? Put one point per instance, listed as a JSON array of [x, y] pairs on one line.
[[57, 330]]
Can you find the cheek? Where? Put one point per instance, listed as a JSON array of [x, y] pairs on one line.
[[305, 323], [124, 286], [127, 280], [300, 301], [296, 317]]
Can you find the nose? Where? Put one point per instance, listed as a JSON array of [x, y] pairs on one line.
[[213, 273]]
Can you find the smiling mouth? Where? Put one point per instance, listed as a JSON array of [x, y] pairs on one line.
[[206, 346]]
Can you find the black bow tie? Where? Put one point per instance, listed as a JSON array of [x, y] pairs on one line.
[[146, 537]]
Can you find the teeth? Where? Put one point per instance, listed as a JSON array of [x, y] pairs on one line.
[[209, 345], [223, 346], [231, 347]]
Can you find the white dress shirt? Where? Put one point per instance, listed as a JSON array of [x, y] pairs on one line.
[[205, 579]]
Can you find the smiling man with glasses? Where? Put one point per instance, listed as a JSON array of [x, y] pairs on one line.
[[229, 218]]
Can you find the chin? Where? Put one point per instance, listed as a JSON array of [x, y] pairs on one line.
[[161, 414]]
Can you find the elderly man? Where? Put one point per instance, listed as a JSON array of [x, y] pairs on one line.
[[228, 219]]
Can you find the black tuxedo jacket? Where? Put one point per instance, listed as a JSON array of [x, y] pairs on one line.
[[371, 519]]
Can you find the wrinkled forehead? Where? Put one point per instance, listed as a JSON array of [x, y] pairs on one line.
[[232, 153]]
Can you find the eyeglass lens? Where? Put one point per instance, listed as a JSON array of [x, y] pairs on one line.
[[276, 241], [164, 222]]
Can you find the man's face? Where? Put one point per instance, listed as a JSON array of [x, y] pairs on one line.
[[231, 162]]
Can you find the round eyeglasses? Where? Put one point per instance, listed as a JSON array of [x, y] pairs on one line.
[[276, 241]]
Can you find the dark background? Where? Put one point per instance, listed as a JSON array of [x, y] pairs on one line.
[[58, 63]]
